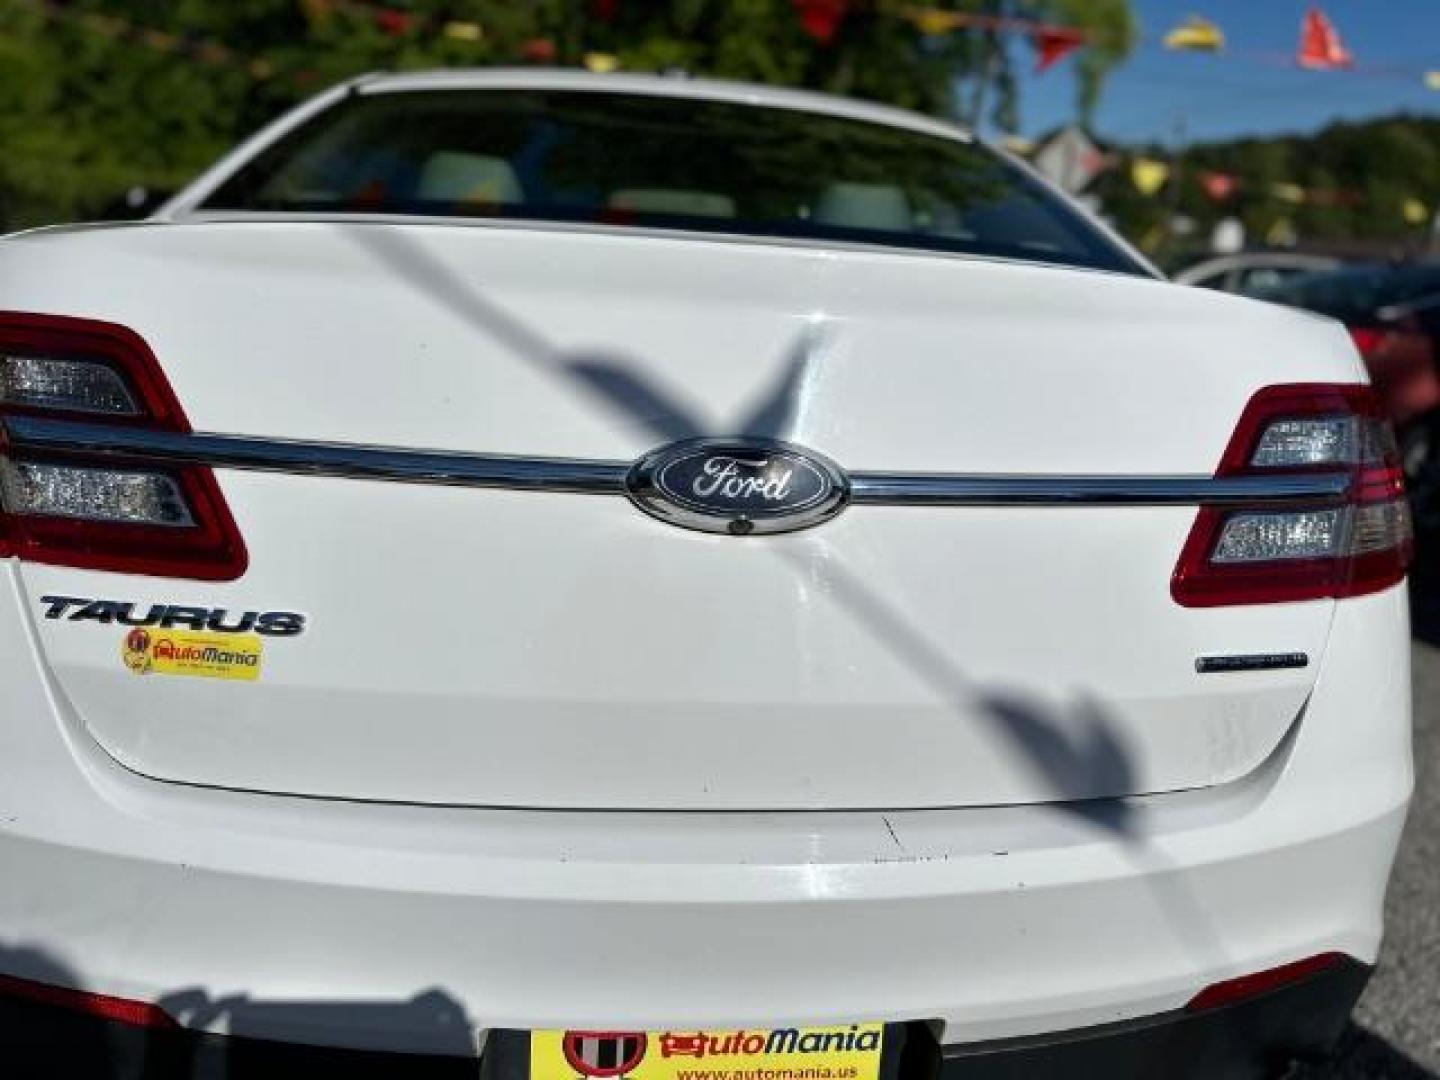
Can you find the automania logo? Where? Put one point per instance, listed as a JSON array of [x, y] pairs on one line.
[[739, 486], [609, 1055], [165, 649], [147, 651], [777, 1041]]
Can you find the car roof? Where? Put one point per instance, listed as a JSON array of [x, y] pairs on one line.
[[1360, 290], [1242, 259], [672, 85]]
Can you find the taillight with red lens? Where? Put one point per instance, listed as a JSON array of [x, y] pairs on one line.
[[121, 1010], [99, 513], [1260, 983], [1261, 555]]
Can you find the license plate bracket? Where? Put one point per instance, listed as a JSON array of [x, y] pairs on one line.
[[858, 1051]]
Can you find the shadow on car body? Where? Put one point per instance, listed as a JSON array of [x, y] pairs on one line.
[[1073, 749], [55, 1028], [40, 1041]]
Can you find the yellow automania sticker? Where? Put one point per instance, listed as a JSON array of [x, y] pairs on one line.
[[149, 651], [847, 1052]]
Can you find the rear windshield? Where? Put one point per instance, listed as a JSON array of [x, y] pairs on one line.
[[662, 162]]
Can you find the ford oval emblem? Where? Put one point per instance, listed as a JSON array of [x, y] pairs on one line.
[[738, 486]]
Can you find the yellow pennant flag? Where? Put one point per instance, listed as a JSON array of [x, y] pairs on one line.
[[1148, 175], [1197, 35], [601, 62], [1432, 80], [464, 31], [1415, 211], [932, 22], [1291, 193]]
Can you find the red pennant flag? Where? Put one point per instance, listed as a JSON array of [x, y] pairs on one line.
[[821, 18], [1219, 186], [1320, 45], [1054, 43], [539, 51], [392, 22]]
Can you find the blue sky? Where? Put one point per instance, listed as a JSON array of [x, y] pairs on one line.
[[1238, 93]]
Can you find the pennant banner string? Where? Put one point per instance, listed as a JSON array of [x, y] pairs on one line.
[[1320, 46]]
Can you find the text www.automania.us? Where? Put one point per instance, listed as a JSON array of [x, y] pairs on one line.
[[808, 1072]]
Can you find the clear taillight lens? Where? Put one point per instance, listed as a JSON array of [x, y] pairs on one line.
[[54, 382], [1308, 534], [90, 510], [129, 496], [1267, 555]]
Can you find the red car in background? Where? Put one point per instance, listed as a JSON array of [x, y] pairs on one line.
[[1393, 313]]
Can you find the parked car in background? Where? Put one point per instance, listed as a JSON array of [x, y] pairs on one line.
[[663, 577], [1393, 315], [1251, 272]]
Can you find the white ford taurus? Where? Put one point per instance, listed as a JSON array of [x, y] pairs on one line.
[[643, 577]]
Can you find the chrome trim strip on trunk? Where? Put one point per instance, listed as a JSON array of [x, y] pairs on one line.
[[317, 458], [942, 489], [36, 434]]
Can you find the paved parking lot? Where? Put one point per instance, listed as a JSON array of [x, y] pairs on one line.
[[1397, 1028]]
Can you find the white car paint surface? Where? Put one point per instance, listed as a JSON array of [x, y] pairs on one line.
[[577, 767]]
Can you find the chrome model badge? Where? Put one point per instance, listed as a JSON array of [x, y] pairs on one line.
[[738, 486]]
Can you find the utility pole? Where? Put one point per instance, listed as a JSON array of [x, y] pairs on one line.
[[989, 62], [987, 75], [1177, 176]]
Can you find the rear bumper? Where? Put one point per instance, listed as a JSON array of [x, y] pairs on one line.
[[422, 929], [1256, 1037]]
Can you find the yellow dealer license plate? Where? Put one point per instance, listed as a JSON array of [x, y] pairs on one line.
[[845, 1052]]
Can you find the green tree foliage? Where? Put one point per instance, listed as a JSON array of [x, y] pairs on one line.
[[1111, 31], [101, 95], [1357, 178]]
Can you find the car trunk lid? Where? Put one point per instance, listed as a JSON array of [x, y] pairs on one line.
[[561, 649]]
